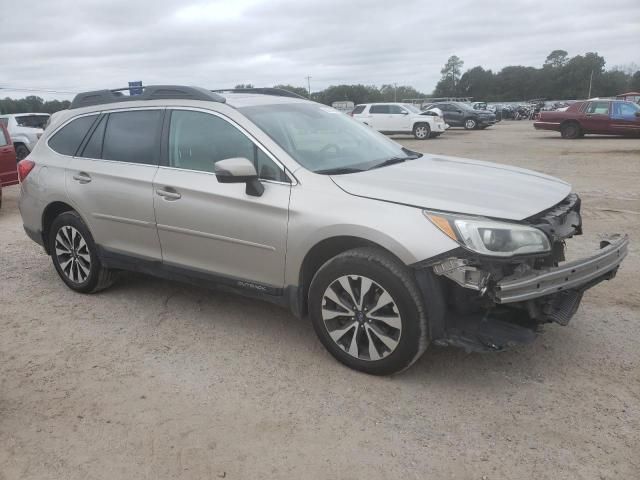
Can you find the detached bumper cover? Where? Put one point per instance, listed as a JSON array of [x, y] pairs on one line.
[[577, 275]]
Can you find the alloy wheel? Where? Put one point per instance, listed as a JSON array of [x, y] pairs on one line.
[[72, 254], [361, 317], [421, 132], [470, 124]]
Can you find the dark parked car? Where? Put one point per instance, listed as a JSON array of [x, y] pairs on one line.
[[607, 117], [8, 166], [458, 114]]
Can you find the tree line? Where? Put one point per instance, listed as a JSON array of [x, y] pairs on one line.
[[560, 78]]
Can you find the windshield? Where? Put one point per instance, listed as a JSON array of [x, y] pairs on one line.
[[322, 139], [32, 121]]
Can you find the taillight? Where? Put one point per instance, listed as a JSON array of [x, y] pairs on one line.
[[24, 168]]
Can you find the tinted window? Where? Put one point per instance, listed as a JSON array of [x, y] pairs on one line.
[[198, 140], [395, 109], [67, 140], [358, 109], [3, 139], [93, 148], [379, 109], [598, 108], [132, 137]]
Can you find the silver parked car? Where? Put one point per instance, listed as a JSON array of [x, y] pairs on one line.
[[274, 196]]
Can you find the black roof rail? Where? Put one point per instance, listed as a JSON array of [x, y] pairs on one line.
[[278, 92], [151, 92]]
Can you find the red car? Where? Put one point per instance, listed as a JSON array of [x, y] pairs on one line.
[[8, 168], [606, 117]]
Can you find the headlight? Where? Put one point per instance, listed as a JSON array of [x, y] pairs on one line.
[[488, 237]]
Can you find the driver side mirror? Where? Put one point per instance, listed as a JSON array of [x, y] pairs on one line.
[[239, 170]]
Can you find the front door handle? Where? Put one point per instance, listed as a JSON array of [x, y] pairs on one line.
[[167, 194], [82, 177]]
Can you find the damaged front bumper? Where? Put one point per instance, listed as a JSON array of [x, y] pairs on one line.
[[493, 310]]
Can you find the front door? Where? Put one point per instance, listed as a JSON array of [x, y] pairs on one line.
[[378, 117], [110, 182], [8, 165], [217, 228], [398, 120], [625, 118]]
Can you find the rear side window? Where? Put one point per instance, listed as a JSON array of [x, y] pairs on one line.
[[132, 137], [93, 148], [358, 109], [67, 140], [379, 109], [598, 108], [3, 139]]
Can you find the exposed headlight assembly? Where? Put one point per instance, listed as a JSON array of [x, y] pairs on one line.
[[489, 237]]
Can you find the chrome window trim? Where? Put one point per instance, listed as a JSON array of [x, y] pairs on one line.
[[293, 181]]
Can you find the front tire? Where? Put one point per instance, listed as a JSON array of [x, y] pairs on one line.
[[75, 257], [368, 312], [470, 124], [421, 131]]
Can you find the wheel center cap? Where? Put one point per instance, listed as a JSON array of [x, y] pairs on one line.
[[360, 316]]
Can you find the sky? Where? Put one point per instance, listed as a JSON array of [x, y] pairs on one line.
[[72, 45]]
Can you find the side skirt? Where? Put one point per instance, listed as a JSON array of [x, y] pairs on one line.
[[284, 297]]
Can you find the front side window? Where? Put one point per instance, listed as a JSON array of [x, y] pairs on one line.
[[132, 137], [198, 140], [396, 110], [625, 110], [67, 140], [597, 108], [379, 109], [322, 139]]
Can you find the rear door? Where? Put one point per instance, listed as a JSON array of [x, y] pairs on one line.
[[217, 228], [379, 117], [8, 166], [110, 181], [625, 119], [596, 117]]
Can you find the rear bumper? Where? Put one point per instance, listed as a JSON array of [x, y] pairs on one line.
[[577, 275]]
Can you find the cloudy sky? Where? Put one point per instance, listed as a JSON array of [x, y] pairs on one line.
[[70, 45]]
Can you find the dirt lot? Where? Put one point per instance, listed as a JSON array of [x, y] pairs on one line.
[[153, 379]]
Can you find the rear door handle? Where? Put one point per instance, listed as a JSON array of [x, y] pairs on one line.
[[167, 194], [82, 177]]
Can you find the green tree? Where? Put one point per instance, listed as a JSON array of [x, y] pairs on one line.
[[477, 83], [447, 86], [634, 83], [557, 58]]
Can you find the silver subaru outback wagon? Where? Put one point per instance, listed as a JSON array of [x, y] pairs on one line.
[[268, 194]]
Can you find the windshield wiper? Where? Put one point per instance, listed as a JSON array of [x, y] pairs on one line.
[[394, 160], [339, 170]]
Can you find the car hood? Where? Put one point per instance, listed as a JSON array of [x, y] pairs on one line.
[[459, 185]]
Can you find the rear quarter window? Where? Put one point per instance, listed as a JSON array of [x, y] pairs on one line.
[[67, 140]]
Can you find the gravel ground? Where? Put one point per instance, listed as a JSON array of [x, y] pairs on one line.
[[154, 379]]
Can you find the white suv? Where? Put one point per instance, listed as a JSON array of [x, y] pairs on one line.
[[25, 129], [394, 118]]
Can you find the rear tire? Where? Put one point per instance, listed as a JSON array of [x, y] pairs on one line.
[[377, 323], [421, 131], [571, 131], [74, 255]]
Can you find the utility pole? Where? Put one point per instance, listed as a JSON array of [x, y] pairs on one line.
[[590, 82], [395, 92], [308, 77]]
